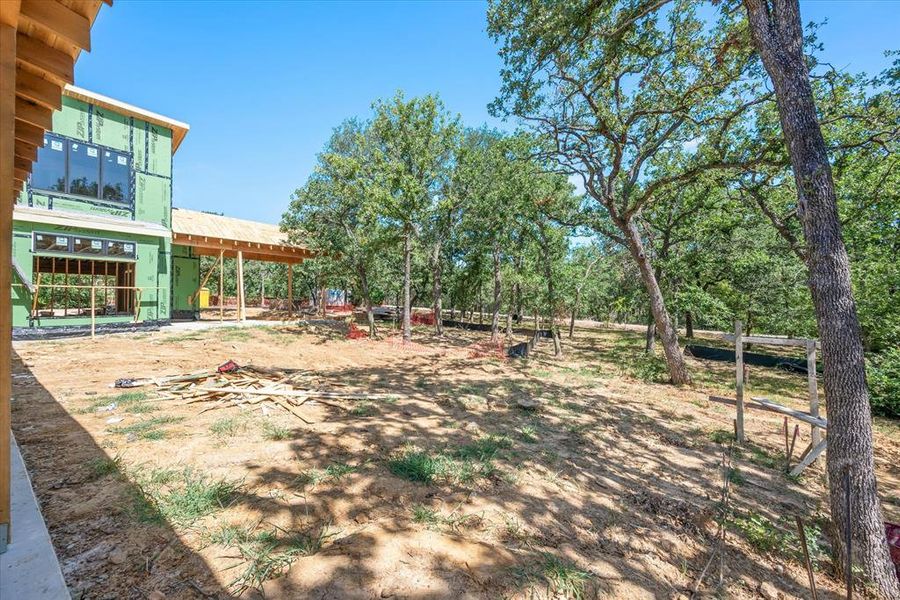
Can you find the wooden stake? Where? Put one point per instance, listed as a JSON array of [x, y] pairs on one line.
[[221, 285], [739, 371], [809, 570]]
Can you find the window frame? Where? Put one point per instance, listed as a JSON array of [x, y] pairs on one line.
[[67, 143], [70, 251]]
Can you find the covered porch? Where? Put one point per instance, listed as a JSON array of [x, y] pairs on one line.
[[206, 234]]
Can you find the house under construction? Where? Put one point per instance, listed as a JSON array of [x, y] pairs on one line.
[[95, 238]]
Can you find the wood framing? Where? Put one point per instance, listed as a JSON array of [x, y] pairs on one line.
[[810, 346], [39, 43]]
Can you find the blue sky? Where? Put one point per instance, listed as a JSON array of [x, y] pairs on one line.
[[262, 84]]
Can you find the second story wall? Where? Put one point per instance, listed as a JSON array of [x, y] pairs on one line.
[[100, 161]]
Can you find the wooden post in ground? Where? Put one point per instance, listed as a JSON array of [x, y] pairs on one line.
[[240, 285], [221, 285], [290, 290], [93, 311], [813, 387], [739, 376], [7, 193]]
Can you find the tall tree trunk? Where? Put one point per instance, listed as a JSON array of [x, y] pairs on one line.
[[495, 317], [367, 299], [689, 324], [777, 33], [437, 268], [407, 304], [651, 336], [678, 372]]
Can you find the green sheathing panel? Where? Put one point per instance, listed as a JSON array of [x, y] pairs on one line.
[[151, 149], [111, 129], [185, 278], [159, 159], [152, 271], [152, 199], [72, 120]]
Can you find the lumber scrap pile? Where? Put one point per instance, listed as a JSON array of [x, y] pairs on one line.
[[248, 386]]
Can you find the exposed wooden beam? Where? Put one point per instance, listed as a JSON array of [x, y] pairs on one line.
[[54, 63], [22, 163], [26, 151], [20, 174], [30, 134], [35, 114], [37, 89], [58, 19]]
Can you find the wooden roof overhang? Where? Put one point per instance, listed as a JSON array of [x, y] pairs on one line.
[[49, 35], [207, 246]]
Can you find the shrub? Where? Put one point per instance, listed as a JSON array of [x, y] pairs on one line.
[[883, 374]]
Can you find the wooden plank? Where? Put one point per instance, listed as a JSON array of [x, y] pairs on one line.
[[53, 63], [30, 134], [810, 457], [37, 89], [59, 20], [739, 380], [802, 416], [26, 151], [812, 376], [22, 164], [767, 340], [7, 153], [34, 114]]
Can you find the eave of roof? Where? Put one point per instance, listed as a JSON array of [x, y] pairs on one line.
[[179, 128]]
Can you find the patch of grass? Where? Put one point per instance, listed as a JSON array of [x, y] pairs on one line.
[[363, 409], [333, 472], [228, 426], [760, 456], [648, 368], [102, 466], [180, 497], [191, 336], [780, 539], [235, 334], [426, 516], [721, 436], [415, 466], [274, 432], [735, 476], [528, 433], [561, 578], [129, 401], [148, 429], [268, 554], [462, 465]]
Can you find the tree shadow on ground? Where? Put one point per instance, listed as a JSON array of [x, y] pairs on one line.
[[88, 509]]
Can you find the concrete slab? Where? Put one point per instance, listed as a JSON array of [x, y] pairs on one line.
[[29, 569]]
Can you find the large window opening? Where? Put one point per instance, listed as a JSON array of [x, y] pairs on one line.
[[80, 169], [63, 288]]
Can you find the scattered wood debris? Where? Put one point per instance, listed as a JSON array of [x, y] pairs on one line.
[[234, 385]]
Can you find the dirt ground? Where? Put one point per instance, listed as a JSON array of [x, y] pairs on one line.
[[447, 488]]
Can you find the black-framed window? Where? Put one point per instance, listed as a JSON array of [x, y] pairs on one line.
[[49, 172], [50, 242], [83, 245], [82, 169]]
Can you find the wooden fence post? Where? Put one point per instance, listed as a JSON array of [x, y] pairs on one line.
[[290, 290], [739, 375], [221, 286], [813, 387], [240, 283], [93, 311]]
